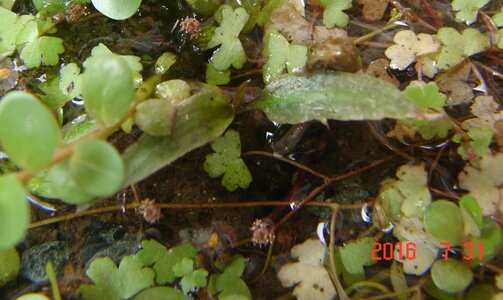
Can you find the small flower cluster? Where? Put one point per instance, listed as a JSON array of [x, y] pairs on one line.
[[263, 232], [151, 211], [191, 26]]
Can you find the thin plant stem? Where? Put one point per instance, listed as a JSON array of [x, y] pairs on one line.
[[266, 264], [65, 151], [289, 161], [370, 284], [374, 33], [134, 205], [331, 254]]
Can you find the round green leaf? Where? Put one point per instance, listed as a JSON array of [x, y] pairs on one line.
[[97, 168], [480, 291], [491, 238], [29, 132], [155, 116], [107, 88], [117, 10], [472, 215], [9, 265], [64, 187], [443, 220], [451, 275], [14, 211]]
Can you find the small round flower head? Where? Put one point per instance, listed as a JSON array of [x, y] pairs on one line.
[[191, 26], [151, 212], [263, 232]]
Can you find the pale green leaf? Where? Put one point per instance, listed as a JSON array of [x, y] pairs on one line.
[[97, 168], [467, 10], [111, 282], [451, 275], [164, 62], [36, 136], [161, 293], [63, 186], [155, 116], [332, 95], [444, 221], [162, 259], [229, 283], [70, 80], [45, 49], [117, 10], [107, 89], [357, 254], [231, 51], [333, 14], [456, 47], [15, 24], [227, 159], [14, 213], [199, 119], [216, 77]]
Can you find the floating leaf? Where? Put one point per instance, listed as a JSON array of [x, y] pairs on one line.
[[281, 55], [413, 186], [216, 77], [333, 15], [231, 51], [113, 283], [444, 221], [491, 239], [10, 264], [70, 80], [117, 10], [155, 116], [426, 95], [200, 119], [36, 136], [472, 215], [332, 95], [191, 279], [229, 284], [15, 24], [357, 254], [467, 10], [451, 275], [153, 253], [161, 293], [480, 291], [408, 46], [227, 160], [14, 211], [310, 277], [107, 89], [97, 168], [204, 7], [484, 182], [413, 230], [456, 47]]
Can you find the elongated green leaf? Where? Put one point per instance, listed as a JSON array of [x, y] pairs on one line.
[[14, 211], [10, 264], [97, 168], [199, 119], [107, 89], [29, 132], [117, 10], [332, 95]]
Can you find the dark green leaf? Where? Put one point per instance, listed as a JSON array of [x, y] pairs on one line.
[[10, 264], [29, 132], [332, 95]]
